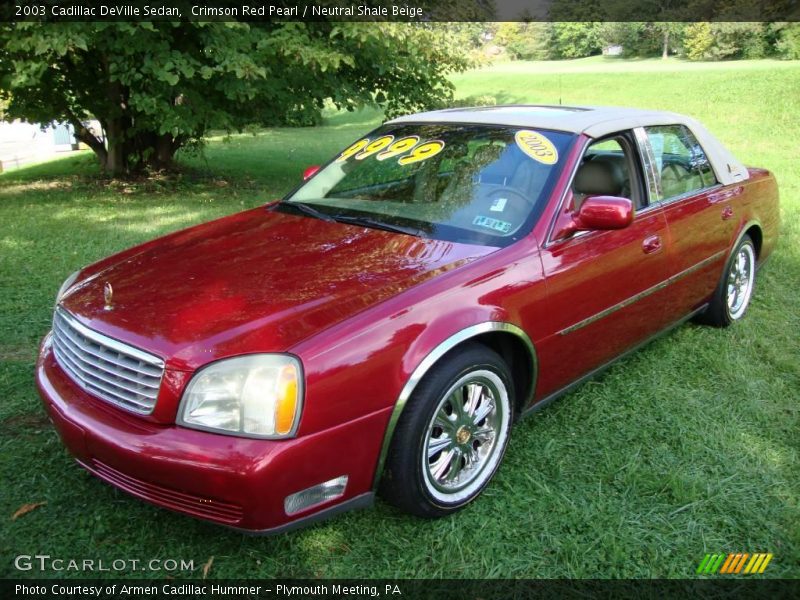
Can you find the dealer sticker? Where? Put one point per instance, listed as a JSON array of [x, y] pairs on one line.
[[496, 224], [536, 146]]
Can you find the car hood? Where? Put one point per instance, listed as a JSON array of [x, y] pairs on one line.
[[256, 281]]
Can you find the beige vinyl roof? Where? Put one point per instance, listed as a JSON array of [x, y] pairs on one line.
[[593, 121]]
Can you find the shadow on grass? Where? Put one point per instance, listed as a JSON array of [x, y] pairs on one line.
[[83, 164], [367, 117]]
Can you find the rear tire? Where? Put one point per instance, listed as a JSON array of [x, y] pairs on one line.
[[735, 289], [452, 435]]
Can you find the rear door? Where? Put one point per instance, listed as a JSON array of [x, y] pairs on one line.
[[605, 288], [698, 211]]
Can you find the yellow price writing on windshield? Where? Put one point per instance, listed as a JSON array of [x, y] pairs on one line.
[[357, 147], [401, 146], [375, 146], [408, 148], [422, 152]]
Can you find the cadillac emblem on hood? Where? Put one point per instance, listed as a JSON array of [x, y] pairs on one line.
[[108, 295]]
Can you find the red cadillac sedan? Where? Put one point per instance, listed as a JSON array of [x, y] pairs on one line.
[[382, 327]]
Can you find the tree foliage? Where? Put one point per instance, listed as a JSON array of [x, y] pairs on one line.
[[787, 40], [641, 38], [527, 41], [574, 39], [157, 86], [695, 41], [716, 41], [668, 27]]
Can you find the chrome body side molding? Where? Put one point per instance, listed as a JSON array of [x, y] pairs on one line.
[[643, 294]]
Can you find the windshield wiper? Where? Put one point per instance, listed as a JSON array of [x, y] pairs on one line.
[[352, 220], [309, 210], [375, 224]]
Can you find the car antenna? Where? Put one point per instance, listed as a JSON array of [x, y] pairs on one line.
[[559, 89]]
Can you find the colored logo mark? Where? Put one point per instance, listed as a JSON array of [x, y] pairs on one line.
[[735, 563]]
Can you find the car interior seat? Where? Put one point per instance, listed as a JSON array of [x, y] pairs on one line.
[[596, 178]]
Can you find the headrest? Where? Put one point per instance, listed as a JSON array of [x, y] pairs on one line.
[[598, 178]]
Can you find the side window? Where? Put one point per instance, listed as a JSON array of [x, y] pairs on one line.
[[680, 161], [608, 168]]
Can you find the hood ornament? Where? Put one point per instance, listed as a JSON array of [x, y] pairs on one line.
[[108, 296]]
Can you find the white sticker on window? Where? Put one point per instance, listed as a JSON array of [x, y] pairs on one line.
[[496, 224], [499, 205]]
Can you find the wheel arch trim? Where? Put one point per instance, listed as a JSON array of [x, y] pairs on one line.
[[430, 360], [745, 227]]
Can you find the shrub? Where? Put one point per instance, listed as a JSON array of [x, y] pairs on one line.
[[788, 44]]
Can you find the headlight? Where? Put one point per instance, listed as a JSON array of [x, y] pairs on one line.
[[258, 395], [65, 286]]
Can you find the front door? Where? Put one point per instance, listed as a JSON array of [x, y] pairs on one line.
[[605, 288]]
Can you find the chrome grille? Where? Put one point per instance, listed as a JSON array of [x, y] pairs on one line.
[[106, 368]]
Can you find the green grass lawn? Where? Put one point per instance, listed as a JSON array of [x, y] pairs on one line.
[[689, 447]]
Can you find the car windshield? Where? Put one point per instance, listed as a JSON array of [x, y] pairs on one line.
[[479, 184]]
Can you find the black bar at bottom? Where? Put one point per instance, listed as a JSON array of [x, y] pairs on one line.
[[462, 589]]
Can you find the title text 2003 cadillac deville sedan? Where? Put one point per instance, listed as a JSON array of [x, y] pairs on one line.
[[384, 325]]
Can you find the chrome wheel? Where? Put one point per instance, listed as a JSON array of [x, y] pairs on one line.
[[740, 281], [466, 436]]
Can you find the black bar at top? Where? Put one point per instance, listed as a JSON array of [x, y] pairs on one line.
[[409, 11]]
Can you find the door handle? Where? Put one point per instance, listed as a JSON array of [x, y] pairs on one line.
[[727, 213], [725, 195], [651, 244]]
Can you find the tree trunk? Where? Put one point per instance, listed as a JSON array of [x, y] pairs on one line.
[[115, 160], [665, 51], [124, 152], [117, 126], [153, 150], [164, 151], [121, 154], [87, 137], [115, 163]]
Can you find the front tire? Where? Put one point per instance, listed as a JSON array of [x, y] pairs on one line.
[[452, 435], [735, 288]]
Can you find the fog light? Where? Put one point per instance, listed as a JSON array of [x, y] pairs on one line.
[[315, 495]]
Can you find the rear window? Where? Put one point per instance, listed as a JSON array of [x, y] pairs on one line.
[[680, 160]]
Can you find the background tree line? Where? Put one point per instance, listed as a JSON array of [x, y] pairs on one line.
[[694, 41]]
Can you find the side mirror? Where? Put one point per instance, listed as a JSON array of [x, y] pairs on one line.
[[604, 212], [310, 171]]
